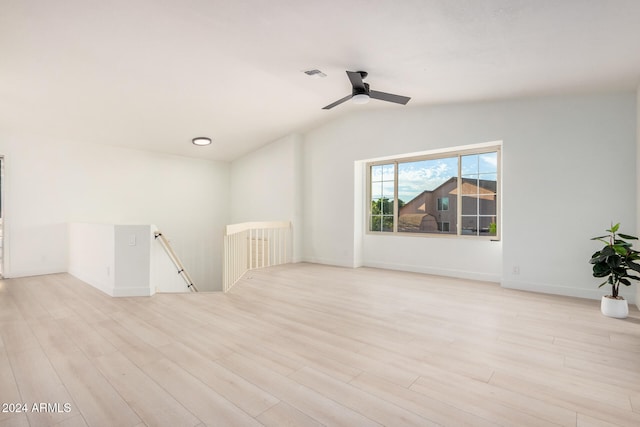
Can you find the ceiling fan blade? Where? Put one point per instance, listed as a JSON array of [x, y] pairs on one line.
[[383, 96], [338, 102], [356, 79]]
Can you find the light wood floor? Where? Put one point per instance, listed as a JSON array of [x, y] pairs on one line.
[[314, 345]]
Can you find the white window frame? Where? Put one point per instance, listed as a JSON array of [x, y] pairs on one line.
[[440, 155]]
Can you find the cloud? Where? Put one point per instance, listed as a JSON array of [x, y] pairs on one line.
[[416, 177]]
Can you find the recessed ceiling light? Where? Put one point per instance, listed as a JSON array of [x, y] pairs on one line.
[[201, 140]]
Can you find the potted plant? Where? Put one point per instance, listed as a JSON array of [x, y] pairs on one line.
[[615, 261]]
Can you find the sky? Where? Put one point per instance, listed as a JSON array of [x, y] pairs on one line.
[[416, 177]]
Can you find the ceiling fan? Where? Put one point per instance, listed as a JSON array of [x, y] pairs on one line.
[[361, 93]]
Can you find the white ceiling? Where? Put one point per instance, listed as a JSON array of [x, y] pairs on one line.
[[152, 74]]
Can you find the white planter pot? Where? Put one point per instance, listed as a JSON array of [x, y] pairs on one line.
[[617, 308]]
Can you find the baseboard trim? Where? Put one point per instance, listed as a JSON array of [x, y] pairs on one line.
[[28, 273], [132, 292], [328, 261], [459, 274], [594, 294]]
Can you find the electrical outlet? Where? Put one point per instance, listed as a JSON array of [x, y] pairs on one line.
[[516, 269]]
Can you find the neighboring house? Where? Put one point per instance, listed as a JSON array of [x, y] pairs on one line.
[[435, 211]]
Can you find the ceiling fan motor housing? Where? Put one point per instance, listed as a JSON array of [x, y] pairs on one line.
[[360, 90]]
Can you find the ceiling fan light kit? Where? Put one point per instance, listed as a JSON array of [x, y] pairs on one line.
[[361, 98], [360, 92]]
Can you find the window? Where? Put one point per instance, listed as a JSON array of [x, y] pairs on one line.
[[454, 194], [443, 226], [382, 197]]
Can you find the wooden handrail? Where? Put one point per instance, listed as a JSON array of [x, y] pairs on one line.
[[176, 261]]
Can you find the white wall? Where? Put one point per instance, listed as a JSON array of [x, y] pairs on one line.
[[267, 185], [555, 156], [132, 244], [35, 204], [92, 255], [49, 184]]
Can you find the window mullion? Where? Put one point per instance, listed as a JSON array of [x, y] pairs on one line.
[[459, 198], [395, 197]]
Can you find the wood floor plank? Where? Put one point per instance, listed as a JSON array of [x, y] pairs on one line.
[[14, 420], [587, 421], [39, 383], [17, 336], [635, 402], [360, 401], [285, 415], [468, 400], [75, 421], [8, 388], [85, 337], [471, 390], [207, 405], [150, 401], [136, 350], [572, 399], [286, 359], [98, 402], [325, 410], [235, 388], [142, 330], [431, 409]]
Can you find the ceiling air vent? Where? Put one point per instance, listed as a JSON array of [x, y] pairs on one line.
[[315, 73]]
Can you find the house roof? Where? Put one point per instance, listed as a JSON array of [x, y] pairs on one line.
[[153, 74], [485, 188]]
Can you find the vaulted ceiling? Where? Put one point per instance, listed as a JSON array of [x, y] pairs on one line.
[[152, 74]]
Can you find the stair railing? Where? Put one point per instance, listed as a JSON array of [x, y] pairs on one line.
[[251, 245]]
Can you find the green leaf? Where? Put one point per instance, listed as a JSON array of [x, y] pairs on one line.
[[634, 266], [597, 257], [614, 228], [608, 251], [620, 271], [628, 237], [599, 238], [614, 261], [625, 282], [601, 270], [621, 250]]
